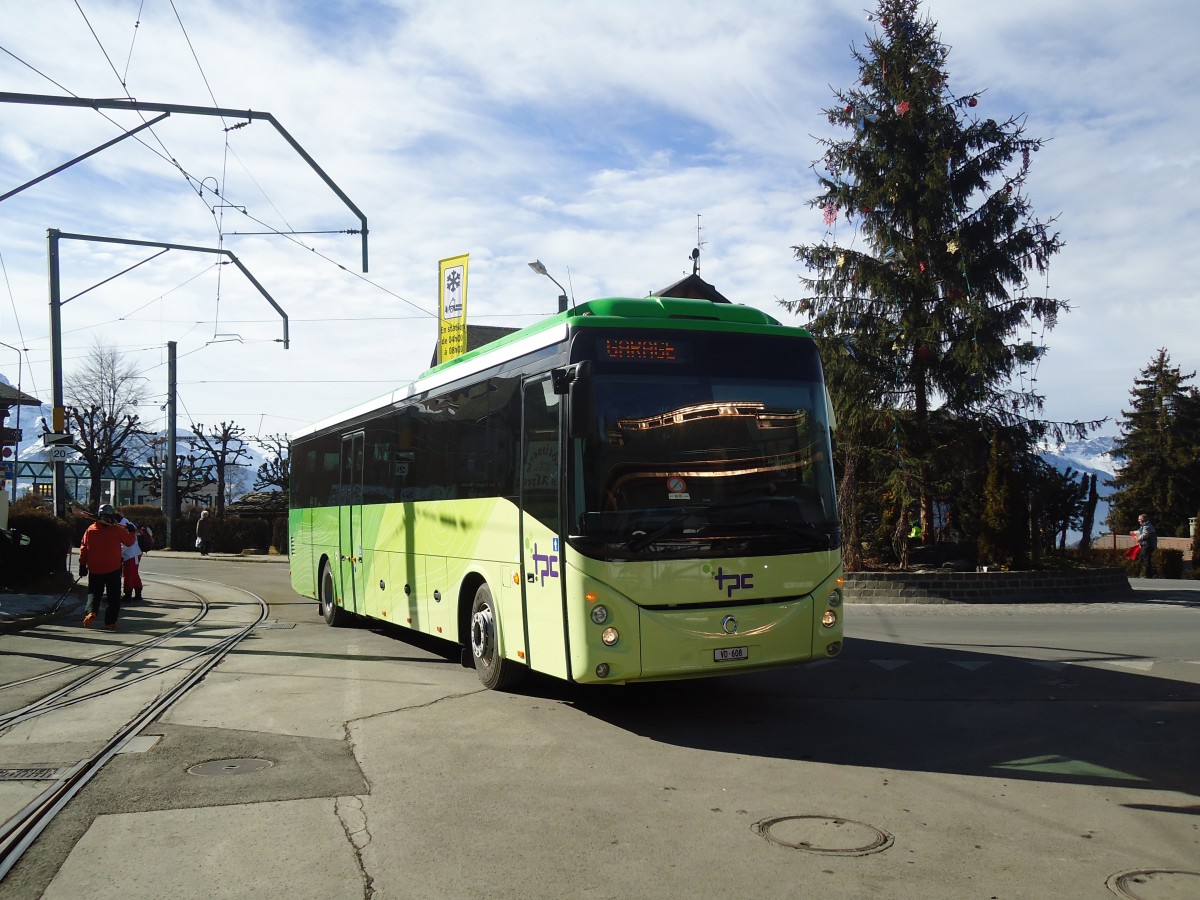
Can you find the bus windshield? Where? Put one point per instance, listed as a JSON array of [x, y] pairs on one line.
[[710, 454]]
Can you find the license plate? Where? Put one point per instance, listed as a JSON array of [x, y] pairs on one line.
[[727, 653]]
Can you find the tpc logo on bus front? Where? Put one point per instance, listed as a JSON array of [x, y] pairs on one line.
[[734, 581]]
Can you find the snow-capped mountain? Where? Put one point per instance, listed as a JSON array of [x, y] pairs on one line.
[[1092, 456]]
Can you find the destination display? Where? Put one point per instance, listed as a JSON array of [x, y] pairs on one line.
[[624, 349]]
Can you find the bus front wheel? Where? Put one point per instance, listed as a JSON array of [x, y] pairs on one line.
[[496, 672], [330, 611]]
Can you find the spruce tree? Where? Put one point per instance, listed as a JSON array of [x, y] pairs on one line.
[[922, 281], [1160, 445], [1003, 531]]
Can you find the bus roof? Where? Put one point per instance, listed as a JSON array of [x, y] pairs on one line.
[[609, 312]]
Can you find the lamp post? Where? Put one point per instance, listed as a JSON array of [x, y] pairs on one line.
[[537, 266]]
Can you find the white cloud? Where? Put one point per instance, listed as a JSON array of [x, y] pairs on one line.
[[588, 134]]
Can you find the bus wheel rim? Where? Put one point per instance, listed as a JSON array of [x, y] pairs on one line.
[[481, 634]]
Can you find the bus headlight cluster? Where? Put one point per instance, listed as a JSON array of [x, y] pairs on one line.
[[599, 614], [610, 636], [835, 599], [829, 619]]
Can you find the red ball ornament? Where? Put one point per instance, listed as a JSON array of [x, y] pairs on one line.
[[974, 101]]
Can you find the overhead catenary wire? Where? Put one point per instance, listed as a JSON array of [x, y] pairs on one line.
[[198, 187]]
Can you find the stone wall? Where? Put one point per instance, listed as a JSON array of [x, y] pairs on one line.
[[987, 587]]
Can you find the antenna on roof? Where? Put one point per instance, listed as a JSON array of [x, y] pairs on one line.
[[696, 251]]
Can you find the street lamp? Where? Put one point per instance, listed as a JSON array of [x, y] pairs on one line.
[[537, 266]]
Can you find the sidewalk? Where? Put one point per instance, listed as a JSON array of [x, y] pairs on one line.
[[19, 611]]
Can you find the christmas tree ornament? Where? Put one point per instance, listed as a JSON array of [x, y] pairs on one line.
[[902, 107], [973, 102]]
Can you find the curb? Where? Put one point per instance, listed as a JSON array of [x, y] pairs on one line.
[[31, 621]]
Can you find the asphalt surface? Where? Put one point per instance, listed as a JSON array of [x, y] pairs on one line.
[[19, 611]]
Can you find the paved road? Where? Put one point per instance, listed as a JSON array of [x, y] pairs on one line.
[[955, 752]]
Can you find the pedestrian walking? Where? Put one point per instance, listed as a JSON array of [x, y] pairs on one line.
[[204, 533], [1147, 539], [100, 560], [131, 563]]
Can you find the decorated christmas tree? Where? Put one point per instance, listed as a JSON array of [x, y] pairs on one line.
[[921, 287]]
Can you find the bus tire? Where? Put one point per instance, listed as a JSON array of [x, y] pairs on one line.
[[496, 672], [330, 611]]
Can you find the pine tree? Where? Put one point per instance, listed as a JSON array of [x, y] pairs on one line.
[[925, 289], [1003, 532], [1160, 445], [1089, 511]]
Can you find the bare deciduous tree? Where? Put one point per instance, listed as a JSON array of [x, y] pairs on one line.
[[102, 398], [224, 447], [276, 470]]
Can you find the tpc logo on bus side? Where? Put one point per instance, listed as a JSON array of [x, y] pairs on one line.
[[544, 563], [733, 581]]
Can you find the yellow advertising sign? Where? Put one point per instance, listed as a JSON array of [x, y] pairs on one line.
[[452, 308]]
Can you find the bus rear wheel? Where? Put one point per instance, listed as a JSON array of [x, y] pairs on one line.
[[330, 611], [496, 672]]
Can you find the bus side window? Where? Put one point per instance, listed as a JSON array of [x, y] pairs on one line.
[[503, 432]]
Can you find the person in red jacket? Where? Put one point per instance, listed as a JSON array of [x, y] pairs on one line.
[[100, 560]]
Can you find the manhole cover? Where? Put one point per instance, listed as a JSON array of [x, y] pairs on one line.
[[1155, 884], [230, 766], [828, 835]]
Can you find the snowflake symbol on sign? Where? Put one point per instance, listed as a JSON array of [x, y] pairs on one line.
[[453, 280]]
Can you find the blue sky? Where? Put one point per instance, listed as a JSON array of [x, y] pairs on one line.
[[589, 135]]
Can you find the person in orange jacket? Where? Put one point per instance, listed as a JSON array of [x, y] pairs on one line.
[[100, 560]]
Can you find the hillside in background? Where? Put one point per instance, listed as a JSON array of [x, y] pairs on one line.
[[1093, 456]]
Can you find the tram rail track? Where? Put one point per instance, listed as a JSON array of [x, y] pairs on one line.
[[99, 666], [22, 829]]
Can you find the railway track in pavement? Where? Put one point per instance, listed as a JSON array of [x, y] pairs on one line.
[[125, 688]]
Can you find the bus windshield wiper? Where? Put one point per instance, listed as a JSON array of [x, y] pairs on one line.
[[800, 526], [642, 540]]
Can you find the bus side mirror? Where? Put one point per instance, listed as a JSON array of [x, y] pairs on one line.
[[580, 405]]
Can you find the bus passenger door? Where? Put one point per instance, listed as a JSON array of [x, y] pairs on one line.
[[543, 600], [350, 542]]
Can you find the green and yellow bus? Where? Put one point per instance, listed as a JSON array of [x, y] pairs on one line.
[[631, 490]]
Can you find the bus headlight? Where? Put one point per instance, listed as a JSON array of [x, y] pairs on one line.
[[599, 614], [835, 599], [829, 619], [610, 636]]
